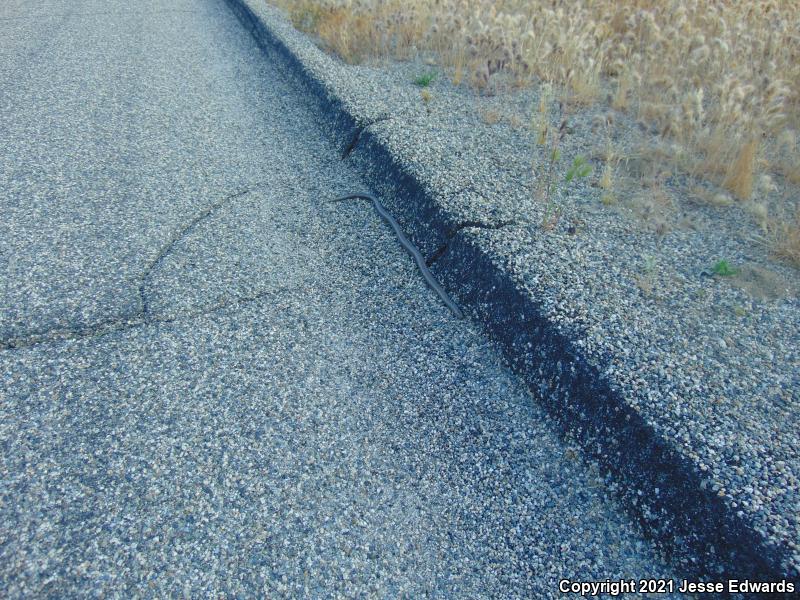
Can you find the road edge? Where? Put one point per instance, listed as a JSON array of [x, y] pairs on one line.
[[658, 485]]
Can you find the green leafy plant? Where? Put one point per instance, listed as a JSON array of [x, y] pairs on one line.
[[546, 136], [722, 268], [551, 212], [579, 168], [425, 79]]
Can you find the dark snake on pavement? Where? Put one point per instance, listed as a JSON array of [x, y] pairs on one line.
[[412, 249]]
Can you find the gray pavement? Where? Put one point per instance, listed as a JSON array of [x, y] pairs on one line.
[[215, 384]]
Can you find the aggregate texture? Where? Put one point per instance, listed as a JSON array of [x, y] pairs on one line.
[[214, 384], [682, 385]]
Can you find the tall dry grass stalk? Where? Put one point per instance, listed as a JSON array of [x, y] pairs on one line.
[[739, 178], [712, 76], [786, 238]]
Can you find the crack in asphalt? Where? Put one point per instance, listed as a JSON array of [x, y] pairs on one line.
[[177, 237], [109, 326], [449, 235], [143, 316], [97, 329], [348, 150]]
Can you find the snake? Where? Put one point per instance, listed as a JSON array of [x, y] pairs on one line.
[[410, 247]]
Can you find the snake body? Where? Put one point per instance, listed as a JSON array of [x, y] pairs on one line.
[[412, 250]]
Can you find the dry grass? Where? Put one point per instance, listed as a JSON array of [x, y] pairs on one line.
[[785, 237], [739, 178], [491, 117], [720, 80]]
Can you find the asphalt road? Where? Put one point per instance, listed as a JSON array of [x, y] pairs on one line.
[[215, 384]]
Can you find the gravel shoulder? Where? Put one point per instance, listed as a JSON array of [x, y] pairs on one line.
[[214, 384], [683, 384]]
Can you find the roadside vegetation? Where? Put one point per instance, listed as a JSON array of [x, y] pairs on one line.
[[716, 84]]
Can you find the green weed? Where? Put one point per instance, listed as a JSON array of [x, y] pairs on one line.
[[579, 168], [723, 268], [425, 79]]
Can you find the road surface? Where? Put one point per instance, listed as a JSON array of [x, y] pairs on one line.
[[214, 384]]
